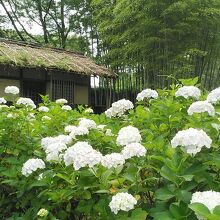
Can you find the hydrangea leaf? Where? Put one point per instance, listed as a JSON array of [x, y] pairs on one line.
[[139, 214], [199, 209], [216, 210], [164, 194]]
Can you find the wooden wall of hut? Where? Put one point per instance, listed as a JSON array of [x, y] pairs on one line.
[[110, 90]]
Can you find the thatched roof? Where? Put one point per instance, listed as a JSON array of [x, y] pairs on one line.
[[34, 56]]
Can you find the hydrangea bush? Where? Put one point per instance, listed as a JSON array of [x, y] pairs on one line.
[[157, 159]]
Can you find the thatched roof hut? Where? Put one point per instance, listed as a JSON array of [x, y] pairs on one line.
[[44, 70]]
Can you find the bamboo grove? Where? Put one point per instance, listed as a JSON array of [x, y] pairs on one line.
[[152, 43]]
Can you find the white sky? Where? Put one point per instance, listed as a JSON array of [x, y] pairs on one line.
[[32, 27]]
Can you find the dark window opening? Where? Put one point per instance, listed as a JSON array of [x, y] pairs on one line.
[[33, 90], [63, 89]]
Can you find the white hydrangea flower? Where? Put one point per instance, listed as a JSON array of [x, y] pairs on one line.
[[58, 147], [123, 104], [112, 160], [82, 154], [201, 106], [101, 127], [12, 90], [53, 151], [42, 212], [128, 135], [119, 108], [53, 156], [79, 131], [87, 123], [11, 116], [69, 128], [122, 201], [210, 199], [214, 96], [147, 93], [133, 149], [108, 132], [45, 142], [188, 91], [89, 110], [66, 107], [111, 113], [32, 165], [2, 101], [43, 109], [65, 139], [45, 117], [68, 158], [61, 101], [31, 117], [3, 106], [192, 140], [26, 102]]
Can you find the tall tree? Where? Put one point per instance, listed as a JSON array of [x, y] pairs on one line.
[[58, 19]]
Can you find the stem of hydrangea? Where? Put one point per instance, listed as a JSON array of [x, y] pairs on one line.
[[93, 172]]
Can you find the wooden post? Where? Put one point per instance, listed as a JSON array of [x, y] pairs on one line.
[[95, 91], [21, 82], [51, 85], [114, 89], [90, 92], [107, 93], [110, 92]]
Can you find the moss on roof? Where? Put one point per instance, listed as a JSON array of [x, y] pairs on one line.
[[30, 55]]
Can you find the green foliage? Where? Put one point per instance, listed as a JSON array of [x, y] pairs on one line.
[[157, 38], [189, 82], [162, 181]]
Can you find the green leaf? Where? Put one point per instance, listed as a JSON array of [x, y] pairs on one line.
[[216, 161], [164, 194], [187, 177], [139, 214], [37, 183], [168, 174], [86, 195], [102, 191], [200, 209], [189, 82], [105, 177], [85, 206], [216, 210], [163, 216], [64, 177], [183, 195], [68, 207], [175, 211], [163, 127], [131, 173], [212, 217], [118, 169], [102, 207]]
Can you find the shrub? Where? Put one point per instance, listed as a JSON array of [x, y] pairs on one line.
[[144, 165]]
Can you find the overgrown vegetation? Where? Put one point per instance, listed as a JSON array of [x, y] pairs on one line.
[[162, 180]]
